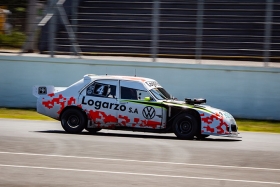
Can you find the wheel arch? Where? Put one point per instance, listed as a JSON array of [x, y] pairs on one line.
[[74, 107], [198, 119], [175, 111], [186, 124]]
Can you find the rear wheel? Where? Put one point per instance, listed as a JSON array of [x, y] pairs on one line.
[[73, 121], [185, 126]]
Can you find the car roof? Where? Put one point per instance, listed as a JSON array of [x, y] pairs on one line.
[[117, 77]]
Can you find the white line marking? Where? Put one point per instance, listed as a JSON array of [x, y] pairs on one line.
[[140, 174], [141, 161]]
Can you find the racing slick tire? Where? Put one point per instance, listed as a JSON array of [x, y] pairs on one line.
[[185, 126], [73, 121], [93, 130]]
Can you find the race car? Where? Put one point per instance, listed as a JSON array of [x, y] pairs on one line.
[[130, 103]]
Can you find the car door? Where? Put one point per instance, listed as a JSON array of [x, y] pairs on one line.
[[99, 100], [138, 112]]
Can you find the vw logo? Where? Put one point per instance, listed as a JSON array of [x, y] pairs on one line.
[[149, 112]]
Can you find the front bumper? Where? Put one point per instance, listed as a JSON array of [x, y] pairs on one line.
[[231, 135]]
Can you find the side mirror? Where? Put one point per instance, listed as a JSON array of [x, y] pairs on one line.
[[147, 98]]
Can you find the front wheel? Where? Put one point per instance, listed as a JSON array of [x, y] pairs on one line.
[[185, 126], [73, 121]]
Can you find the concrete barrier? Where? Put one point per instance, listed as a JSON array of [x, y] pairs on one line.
[[247, 92]]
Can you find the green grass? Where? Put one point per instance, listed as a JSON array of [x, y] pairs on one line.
[[22, 114], [243, 124], [258, 125]]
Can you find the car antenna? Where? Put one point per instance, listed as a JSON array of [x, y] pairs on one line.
[[135, 73]]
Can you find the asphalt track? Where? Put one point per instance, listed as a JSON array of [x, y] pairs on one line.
[[40, 153]]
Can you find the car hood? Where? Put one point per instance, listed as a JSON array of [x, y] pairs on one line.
[[200, 107]]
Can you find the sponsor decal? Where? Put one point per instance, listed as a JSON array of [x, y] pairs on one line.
[[130, 110], [153, 84], [42, 90], [99, 104], [90, 90], [149, 112]]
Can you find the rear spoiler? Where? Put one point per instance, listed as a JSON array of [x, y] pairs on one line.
[[45, 90]]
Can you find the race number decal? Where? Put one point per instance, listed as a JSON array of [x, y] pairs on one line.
[[97, 89], [100, 90]]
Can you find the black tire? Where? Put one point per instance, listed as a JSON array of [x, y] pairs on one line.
[[93, 130], [185, 126], [73, 121]]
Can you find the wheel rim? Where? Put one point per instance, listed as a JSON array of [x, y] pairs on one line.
[[184, 127], [73, 121]]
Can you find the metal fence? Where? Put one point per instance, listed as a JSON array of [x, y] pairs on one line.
[[201, 29]]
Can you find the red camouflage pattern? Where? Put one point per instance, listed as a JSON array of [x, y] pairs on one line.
[[102, 120], [59, 100], [214, 123]]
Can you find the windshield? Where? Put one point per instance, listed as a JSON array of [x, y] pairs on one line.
[[160, 93]]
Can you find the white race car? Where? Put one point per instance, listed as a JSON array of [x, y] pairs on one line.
[[130, 103]]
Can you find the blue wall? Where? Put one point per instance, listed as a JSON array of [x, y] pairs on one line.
[[248, 92]]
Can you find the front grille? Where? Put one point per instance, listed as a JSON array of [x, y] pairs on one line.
[[233, 128]]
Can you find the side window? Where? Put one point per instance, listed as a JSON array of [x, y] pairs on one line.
[[133, 94], [101, 90], [128, 93], [142, 94]]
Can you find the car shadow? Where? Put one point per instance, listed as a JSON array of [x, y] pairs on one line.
[[146, 136]]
